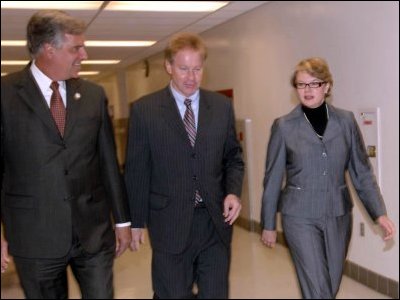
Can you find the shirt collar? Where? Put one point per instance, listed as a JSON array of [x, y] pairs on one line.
[[181, 98], [42, 80]]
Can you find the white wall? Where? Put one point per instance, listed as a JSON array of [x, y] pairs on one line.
[[255, 54]]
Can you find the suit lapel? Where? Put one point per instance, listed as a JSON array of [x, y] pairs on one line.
[[307, 132], [74, 100], [171, 115], [333, 127], [33, 97], [205, 116], [303, 129]]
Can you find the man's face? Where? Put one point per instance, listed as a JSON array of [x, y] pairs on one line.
[[66, 61], [186, 71]]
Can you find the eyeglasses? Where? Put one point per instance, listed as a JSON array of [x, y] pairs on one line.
[[312, 85]]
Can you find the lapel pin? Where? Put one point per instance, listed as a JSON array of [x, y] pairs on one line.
[[77, 96]]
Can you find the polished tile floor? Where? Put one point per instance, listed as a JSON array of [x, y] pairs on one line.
[[256, 273]]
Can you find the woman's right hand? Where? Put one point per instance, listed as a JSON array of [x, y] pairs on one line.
[[268, 237]]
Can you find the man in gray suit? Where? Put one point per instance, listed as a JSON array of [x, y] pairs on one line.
[[184, 174], [315, 145], [59, 174]]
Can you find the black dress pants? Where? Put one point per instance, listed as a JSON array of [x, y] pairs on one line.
[[47, 278], [203, 266]]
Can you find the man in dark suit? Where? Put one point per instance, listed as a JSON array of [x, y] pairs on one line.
[[59, 173], [184, 172]]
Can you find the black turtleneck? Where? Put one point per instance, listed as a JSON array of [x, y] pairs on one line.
[[318, 117]]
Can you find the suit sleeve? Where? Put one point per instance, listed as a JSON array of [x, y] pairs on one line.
[[362, 175], [110, 173], [2, 164], [138, 169], [233, 162], [274, 173]]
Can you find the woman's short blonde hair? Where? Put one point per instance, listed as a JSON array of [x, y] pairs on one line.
[[316, 67]]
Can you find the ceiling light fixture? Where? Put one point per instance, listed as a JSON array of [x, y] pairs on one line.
[[85, 62], [167, 6], [100, 62], [14, 62], [119, 43], [21, 43], [86, 73], [14, 43], [64, 5]]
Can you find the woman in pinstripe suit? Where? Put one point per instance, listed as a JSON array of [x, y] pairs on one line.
[[314, 145]]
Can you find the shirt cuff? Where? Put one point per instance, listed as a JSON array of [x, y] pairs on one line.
[[123, 224]]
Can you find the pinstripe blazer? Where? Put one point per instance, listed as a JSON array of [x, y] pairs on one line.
[[163, 170], [315, 169], [52, 184]]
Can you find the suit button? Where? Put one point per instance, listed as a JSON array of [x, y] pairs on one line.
[[66, 172], [193, 155], [194, 177], [324, 154], [325, 172], [64, 146]]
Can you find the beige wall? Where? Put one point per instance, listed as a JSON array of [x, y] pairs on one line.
[[255, 54]]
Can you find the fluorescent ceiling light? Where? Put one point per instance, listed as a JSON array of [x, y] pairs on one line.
[[86, 73], [20, 43], [167, 6], [14, 62], [119, 43], [100, 62], [85, 62], [64, 5], [178, 6], [15, 43]]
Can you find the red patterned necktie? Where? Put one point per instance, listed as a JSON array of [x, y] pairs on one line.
[[190, 125], [57, 108]]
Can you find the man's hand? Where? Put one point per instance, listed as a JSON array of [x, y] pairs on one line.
[[137, 238], [232, 208], [5, 259], [388, 227], [123, 236], [268, 237]]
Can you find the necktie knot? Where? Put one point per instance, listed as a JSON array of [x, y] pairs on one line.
[[188, 102], [54, 85]]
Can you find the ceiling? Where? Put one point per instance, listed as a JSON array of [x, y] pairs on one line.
[[120, 25]]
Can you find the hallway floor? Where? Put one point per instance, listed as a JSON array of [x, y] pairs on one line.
[[256, 272]]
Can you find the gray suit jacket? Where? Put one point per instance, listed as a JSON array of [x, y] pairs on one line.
[[315, 169], [51, 184], [163, 170]]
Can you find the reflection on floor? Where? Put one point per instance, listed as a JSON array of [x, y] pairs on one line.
[[256, 273]]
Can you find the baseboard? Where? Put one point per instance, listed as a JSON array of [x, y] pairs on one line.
[[360, 274]]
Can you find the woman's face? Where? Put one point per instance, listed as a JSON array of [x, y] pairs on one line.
[[310, 90]]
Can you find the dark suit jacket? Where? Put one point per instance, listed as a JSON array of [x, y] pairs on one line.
[[315, 169], [51, 184], [163, 170]]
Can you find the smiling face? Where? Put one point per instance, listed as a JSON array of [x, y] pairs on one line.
[[63, 62], [311, 97], [186, 71], [67, 59]]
